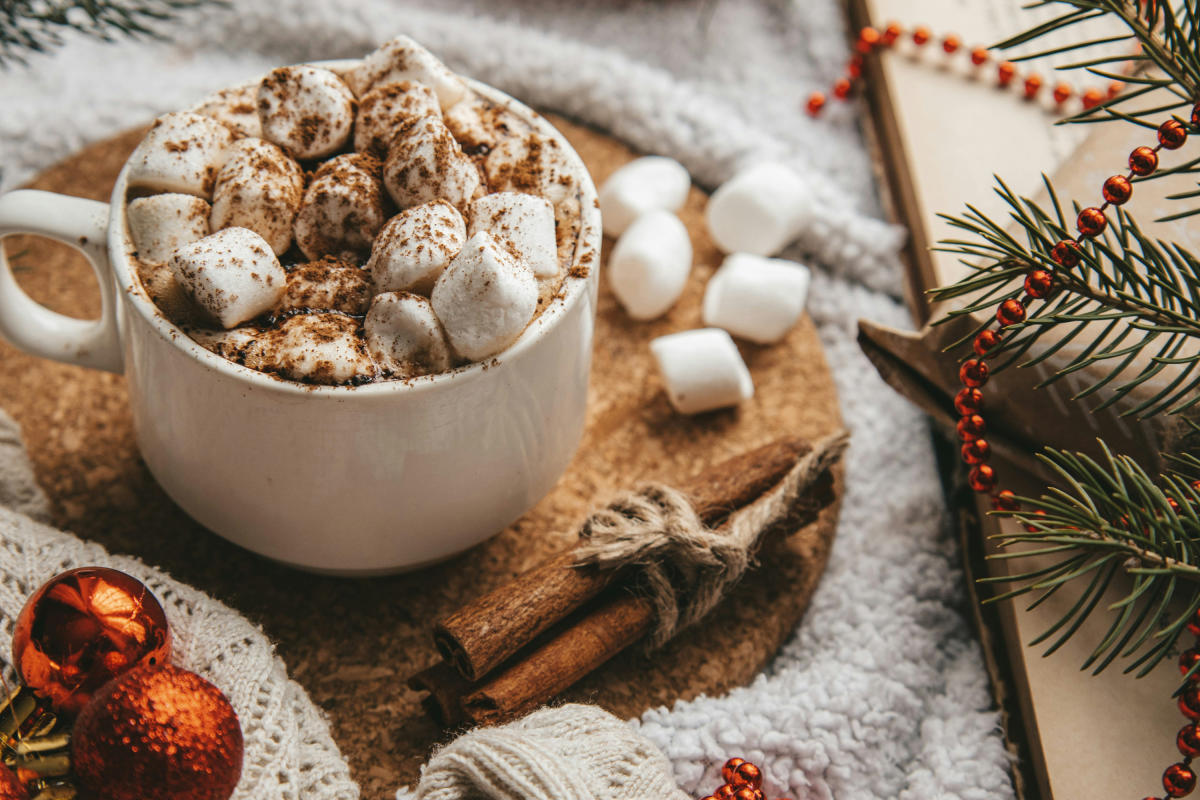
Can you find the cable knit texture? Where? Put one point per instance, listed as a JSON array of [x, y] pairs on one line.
[[881, 693]]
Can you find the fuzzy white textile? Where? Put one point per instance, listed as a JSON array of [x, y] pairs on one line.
[[881, 693]]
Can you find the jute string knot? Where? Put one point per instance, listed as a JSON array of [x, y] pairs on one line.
[[685, 567]]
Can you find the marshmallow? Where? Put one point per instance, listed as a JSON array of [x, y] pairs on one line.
[[702, 370], [522, 222], [650, 183], [258, 188], [485, 298], [404, 335], [532, 164], [649, 265], [230, 344], [161, 222], [756, 298], [759, 210], [475, 124], [183, 152], [426, 163], [233, 274], [235, 108], [402, 59], [414, 247], [385, 109], [307, 110], [169, 296], [312, 348], [342, 208], [327, 285]]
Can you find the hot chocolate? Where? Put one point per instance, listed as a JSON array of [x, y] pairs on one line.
[[381, 222]]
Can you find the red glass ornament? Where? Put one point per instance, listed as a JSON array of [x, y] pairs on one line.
[[1092, 98], [1188, 740], [979, 56], [816, 101], [950, 44], [920, 35], [11, 787], [727, 771], [748, 793], [841, 88], [1010, 312], [1005, 500], [157, 732], [1179, 780], [868, 38], [1039, 283], [83, 628], [973, 373], [1033, 84], [1187, 660], [724, 792], [985, 341], [1117, 190], [1196, 116], [968, 401], [1091, 222], [1193, 625], [976, 451], [1005, 72], [1062, 93], [971, 427], [891, 33], [1143, 160], [1065, 253], [982, 478], [747, 774], [1189, 703], [1172, 134]]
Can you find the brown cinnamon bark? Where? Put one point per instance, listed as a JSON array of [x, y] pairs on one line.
[[483, 634], [446, 690]]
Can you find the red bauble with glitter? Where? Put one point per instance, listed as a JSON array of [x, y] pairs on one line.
[[83, 628], [157, 732], [11, 787]]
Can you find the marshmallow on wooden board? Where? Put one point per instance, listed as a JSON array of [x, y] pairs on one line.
[[232, 274], [425, 163], [342, 209], [328, 284], [402, 59], [759, 299], [650, 183], [404, 336], [649, 265], [385, 109], [759, 210], [312, 348], [702, 370], [485, 298], [159, 223], [236, 108], [306, 110], [523, 222], [415, 246], [259, 188], [182, 153]]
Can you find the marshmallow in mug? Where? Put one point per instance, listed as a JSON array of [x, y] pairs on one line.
[[523, 222], [702, 370], [649, 265], [259, 188], [328, 284], [759, 210], [385, 109], [415, 246], [236, 108], [182, 153], [306, 110], [759, 299], [485, 298], [159, 223], [650, 183], [232, 274], [425, 162], [320, 348], [402, 59], [404, 336], [343, 208]]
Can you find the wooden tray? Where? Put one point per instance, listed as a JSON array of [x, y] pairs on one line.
[[352, 643]]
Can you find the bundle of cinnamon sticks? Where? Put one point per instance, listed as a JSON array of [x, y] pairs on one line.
[[522, 644]]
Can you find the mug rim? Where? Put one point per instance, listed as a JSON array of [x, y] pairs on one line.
[[570, 293]]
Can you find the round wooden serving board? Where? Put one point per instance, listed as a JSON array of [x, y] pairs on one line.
[[352, 643]]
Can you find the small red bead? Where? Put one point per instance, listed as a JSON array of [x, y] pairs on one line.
[[1179, 780], [985, 341], [976, 451], [1033, 528], [1005, 500], [1033, 85], [868, 38], [724, 792], [1010, 312], [979, 56], [982, 478], [1092, 98], [747, 774], [891, 33], [1196, 116], [1193, 625], [727, 771], [1188, 659], [1143, 161], [951, 44], [1065, 253], [816, 101], [1189, 703], [1188, 740], [1005, 72], [841, 88], [1172, 134], [973, 373], [968, 401], [748, 793], [1062, 93], [920, 35], [1091, 222], [1039, 283], [854, 67], [1114, 89], [971, 427], [1117, 190]]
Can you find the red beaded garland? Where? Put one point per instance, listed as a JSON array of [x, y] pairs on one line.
[[747, 774], [1010, 312], [1188, 659], [1188, 740], [748, 793], [1091, 222], [724, 792], [985, 341], [979, 56], [1005, 72], [1117, 190], [982, 478], [727, 771], [1092, 98], [976, 451], [1143, 161], [1196, 116], [1062, 93], [868, 38], [1038, 284], [973, 373], [1193, 625], [968, 401], [1005, 500], [950, 44], [1065, 253], [1189, 703], [841, 88], [1179, 780], [971, 427], [1033, 85], [891, 33], [1172, 134], [816, 101], [920, 35]]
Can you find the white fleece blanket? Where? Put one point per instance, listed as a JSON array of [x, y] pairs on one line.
[[881, 692]]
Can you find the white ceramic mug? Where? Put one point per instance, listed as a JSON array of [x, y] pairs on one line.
[[348, 480]]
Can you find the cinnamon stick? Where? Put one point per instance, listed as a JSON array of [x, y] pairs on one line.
[[485, 633], [446, 690]]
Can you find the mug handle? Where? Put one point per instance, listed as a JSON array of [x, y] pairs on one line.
[[27, 324]]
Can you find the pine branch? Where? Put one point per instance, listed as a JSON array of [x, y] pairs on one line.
[[37, 25]]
